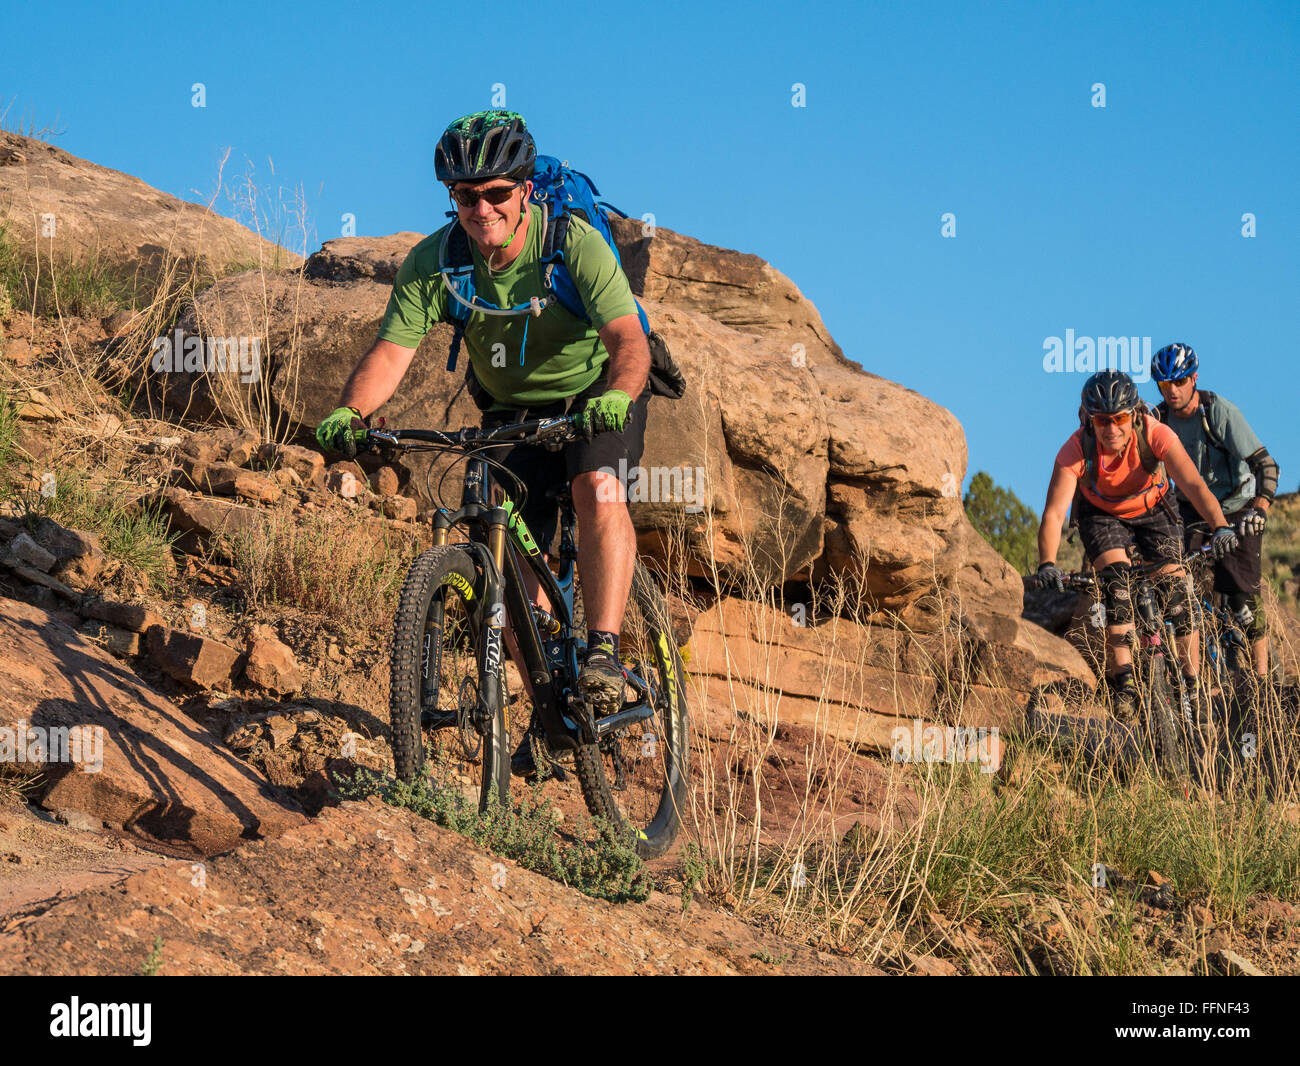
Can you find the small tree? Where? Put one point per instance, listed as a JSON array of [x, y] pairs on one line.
[[1002, 520]]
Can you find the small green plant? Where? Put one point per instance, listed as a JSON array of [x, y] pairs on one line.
[[8, 439], [694, 871], [149, 968], [135, 534], [768, 959], [598, 863]]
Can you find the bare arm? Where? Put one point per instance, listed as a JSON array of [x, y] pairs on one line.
[[1193, 486], [376, 377], [1060, 492], [629, 355]]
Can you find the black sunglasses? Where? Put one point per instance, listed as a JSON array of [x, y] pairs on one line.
[[495, 196]]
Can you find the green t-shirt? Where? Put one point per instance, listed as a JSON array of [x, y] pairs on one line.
[[1227, 475], [563, 354]]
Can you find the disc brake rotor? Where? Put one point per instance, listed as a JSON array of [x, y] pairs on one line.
[[471, 740]]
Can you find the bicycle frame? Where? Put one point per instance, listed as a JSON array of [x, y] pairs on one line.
[[1154, 637], [503, 541]]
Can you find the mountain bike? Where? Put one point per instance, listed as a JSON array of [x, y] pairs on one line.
[[1166, 727], [459, 602]]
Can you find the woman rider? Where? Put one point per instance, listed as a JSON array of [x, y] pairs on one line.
[[1123, 494]]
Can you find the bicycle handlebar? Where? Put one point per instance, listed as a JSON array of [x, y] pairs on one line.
[[533, 431], [1079, 581]]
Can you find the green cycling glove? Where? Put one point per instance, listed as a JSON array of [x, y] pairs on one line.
[[607, 413], [341, 431]]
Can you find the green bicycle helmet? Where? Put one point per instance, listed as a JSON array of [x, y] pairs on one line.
[[485, 145]]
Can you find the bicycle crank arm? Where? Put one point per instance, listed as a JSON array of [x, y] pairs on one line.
[[618, 719]]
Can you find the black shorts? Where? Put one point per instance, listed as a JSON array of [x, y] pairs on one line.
[[1159, 532], [541, 469], [1239, 571]]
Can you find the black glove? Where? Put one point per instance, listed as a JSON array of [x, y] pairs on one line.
[[1251, 524], [1224, 541], [1049, 576]]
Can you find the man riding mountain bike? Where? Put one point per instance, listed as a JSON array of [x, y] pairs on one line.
[[1238, 470], [1113, 469], [545, 364]]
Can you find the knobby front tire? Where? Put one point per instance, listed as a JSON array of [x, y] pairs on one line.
[[1165, 721], [435, 665]]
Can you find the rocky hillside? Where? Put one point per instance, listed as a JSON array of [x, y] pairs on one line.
[[70, 209]]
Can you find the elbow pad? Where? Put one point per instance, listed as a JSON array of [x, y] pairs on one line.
[[1264, 467]]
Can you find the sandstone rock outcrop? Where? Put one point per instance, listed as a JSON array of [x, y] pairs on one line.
[[783, 458], [161, 776], [97, 211]]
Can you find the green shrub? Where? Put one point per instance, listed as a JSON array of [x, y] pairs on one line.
[[605, 867], [1002, 520]]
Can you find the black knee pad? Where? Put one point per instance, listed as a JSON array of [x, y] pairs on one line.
[[1248, 612], [1115, 594], [1177, 602]]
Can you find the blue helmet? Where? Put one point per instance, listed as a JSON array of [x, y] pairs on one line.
[[1173, 363]]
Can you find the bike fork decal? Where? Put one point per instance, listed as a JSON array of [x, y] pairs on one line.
[[492, 654], [670, 674]]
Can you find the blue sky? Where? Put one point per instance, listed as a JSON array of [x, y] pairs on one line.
[[1117, 221]]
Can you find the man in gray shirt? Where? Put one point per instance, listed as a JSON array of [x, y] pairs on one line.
[[1238, 470]]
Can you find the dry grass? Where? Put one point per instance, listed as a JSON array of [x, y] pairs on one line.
[[279, 215], [343, 564], [27, 126], [88, 485], [18, 784]]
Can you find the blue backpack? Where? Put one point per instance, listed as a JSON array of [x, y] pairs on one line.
[[561, 192]]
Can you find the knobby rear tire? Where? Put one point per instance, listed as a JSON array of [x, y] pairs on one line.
[[439, 601], [657, 750]]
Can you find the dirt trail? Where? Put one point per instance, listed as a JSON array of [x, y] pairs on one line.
[[42, 861]]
